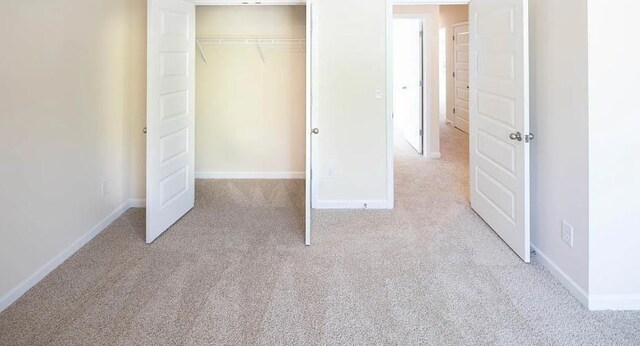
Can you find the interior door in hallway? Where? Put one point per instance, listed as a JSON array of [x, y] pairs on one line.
[[170, 113], [461, 75], [408, 79], [499, 127]]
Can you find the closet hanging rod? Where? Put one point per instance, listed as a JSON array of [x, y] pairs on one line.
[[251, 41], [247, 41]]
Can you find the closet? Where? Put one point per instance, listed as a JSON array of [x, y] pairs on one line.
[[229, 88], [250, 92]]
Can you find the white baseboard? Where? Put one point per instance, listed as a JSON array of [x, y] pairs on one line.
[[614, 302], [250, 175], [560, 275], [435, 155], [375, 204], [41, 273]]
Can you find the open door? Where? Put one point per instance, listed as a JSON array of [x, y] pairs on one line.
[[170, 113], [461, 76], [499, 128], [310, 130], [408, 85]]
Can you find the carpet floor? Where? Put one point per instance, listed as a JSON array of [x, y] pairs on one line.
[[234, 271]]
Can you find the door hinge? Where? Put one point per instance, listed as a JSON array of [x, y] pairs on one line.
[[454, 37], [421, 33], [421, 83], [421, 133], [454, 75], [454, 111]]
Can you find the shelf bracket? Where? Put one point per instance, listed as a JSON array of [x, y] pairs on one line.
[[204, 56], [260, 51]]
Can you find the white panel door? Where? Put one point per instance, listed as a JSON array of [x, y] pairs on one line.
[[499, 128], [461, 75], [310, 130], [170, 113], [407, 41]]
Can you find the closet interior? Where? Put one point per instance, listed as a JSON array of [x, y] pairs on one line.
[[250, 92]]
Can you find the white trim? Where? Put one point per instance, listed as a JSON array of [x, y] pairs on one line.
[[614, 302], [560, 275], [56, 261], [250, 175], [352, 204], [594, 302], [436, 155]]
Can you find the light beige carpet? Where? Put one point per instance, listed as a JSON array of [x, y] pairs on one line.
[[234, 271]]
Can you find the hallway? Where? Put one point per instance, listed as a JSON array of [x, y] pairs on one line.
[[235, 271]]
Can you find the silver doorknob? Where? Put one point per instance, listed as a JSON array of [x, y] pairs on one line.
[[516, 136], [315, 131]]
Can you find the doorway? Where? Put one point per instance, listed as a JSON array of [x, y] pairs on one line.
[[491, 102], [253, 121]]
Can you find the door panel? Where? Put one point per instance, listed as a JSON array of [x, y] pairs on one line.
[[408, 89], [309, 126], [499, 103], [461, 79], [170, 113]]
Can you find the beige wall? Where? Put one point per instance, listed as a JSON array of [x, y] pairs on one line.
[[70, 87], [449, 16], [138, 88], [250, 114], [560, 121], [352, 144], [432, 70]]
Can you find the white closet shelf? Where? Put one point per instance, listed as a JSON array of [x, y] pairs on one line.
[[247, 41]]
